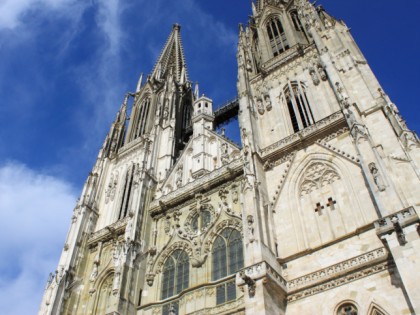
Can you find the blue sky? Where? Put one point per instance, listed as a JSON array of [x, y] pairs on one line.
[[65, 66]]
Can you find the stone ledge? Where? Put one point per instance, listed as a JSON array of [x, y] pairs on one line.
[[339, 281], [206, 182], [108, 232], [290, 142], [403, 218], [338, 270]]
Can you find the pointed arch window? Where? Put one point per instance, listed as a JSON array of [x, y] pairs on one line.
[[228, 258], [277, 36], [176, 274], [142, 118], [300, 111], [296, 21]]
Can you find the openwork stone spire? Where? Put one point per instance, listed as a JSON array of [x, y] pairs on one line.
[[171, 60]]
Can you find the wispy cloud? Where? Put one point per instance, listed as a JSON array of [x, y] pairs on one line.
[[13, 12], [35, 211]]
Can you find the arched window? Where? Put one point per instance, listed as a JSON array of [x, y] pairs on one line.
[[227, 259], [142, 118], [176, 274], [347, 309], [301, 115], [296, 21], [277, 36], [125, 201], [103, 304], [200, 221]]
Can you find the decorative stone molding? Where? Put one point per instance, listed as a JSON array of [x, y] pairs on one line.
[[260, 271], [317, 175], [109, 232], [337, 270], [356, 275], [218, 176], [298, 137], [340, 152], [289, 159], [230, 223], [396, 222], [207, 291]]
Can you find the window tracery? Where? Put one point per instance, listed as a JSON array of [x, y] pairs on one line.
[[227, 259], [300, 111], [176, 273], [127, 191], [277, 36], [317, 175], [347, 309], [142, 118]]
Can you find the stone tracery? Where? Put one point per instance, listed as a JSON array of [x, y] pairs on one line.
[[316, 176]]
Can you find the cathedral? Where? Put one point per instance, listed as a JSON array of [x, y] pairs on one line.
[[316, 212]]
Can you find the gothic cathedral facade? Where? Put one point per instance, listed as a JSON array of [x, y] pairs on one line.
[[316, 212]]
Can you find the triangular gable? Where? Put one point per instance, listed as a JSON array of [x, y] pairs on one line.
[[217, 152]]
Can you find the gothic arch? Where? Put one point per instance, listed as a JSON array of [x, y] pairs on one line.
[[375, 309], [312, 204], [104, 292], [229, 223], [160, 260], [347, 307]]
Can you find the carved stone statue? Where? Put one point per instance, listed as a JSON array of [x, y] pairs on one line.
[[129, 227], [250, 228], [377, 178], [260, 106], [224, 154], [178, 176], [268, 104], [94, 272], [314, 76], [351, 118]]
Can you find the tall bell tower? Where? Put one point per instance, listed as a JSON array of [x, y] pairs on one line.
[[325, 151]]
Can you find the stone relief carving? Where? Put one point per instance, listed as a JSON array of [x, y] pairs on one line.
[[317, 175], [112, 186]]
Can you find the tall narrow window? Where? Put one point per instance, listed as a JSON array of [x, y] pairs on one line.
[[176, 274], [301, 115], [142, 118], [228, 258], [296, 21], [125, 201], [277, 36]]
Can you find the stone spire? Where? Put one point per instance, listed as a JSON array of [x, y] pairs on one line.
[[171, 59]]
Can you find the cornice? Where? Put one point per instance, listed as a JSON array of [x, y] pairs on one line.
[[206, 182], [311, 133]]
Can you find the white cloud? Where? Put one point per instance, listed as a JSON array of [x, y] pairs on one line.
[[35, 212], [12, 11]]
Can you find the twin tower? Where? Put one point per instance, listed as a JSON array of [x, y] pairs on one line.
[[316, 212]]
